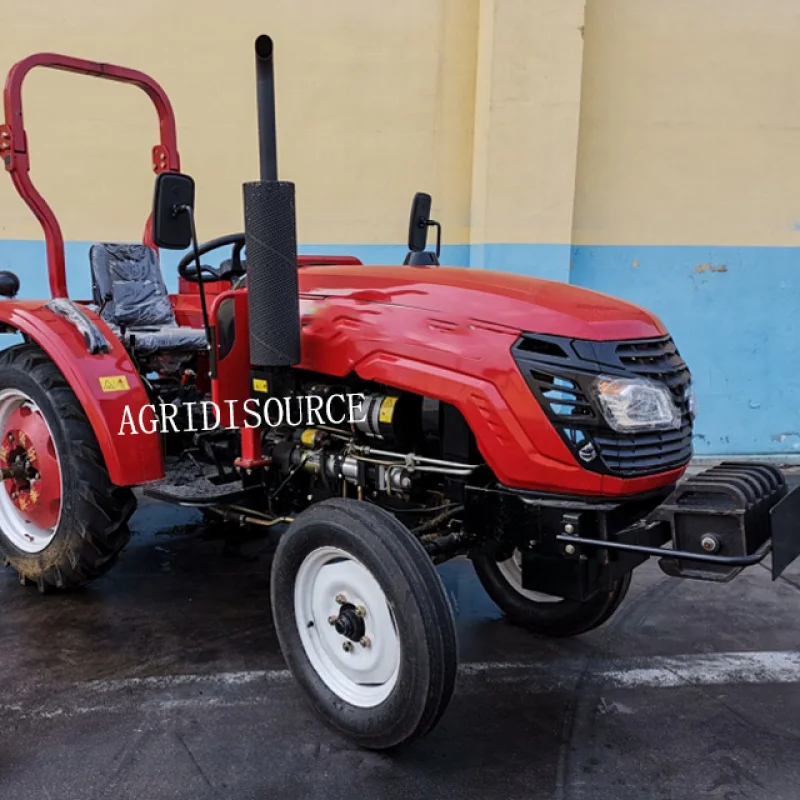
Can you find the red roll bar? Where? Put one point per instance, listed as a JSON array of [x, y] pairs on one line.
[[14, 144]]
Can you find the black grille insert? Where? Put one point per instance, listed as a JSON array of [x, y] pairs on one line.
[[561, 385]]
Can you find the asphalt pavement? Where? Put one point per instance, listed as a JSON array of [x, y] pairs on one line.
[[164, 680]]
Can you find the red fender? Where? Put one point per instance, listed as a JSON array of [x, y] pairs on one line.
[[104, 384]]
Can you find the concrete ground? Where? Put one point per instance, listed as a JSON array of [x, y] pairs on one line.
[[164, 680]]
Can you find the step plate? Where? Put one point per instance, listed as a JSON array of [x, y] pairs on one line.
[[190, 485]]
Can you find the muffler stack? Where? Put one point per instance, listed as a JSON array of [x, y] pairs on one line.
[[270, 228], [724, 511]]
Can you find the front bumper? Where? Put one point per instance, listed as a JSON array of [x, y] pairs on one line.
[[710, 527]]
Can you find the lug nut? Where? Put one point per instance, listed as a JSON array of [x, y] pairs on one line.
[[365, 641], [361, 611], [347, 646], [341, 599], [332, 620], [709, 543], [570, 549]]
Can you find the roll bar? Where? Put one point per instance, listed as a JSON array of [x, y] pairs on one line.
[[14, 144]]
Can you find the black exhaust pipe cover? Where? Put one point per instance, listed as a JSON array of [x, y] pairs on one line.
[[270, 227]]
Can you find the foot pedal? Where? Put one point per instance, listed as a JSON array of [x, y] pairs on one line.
[[723, 511], [188, 484]]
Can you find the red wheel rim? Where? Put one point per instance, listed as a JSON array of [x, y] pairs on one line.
[[28, 448]]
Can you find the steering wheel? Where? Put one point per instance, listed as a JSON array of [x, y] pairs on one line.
[[187, 267]]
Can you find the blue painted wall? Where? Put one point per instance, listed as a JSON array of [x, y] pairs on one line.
[[733, 312]]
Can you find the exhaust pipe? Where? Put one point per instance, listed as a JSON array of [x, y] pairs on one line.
[[265, 93], [270, 228]]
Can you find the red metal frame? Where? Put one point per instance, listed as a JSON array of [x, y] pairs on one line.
[[14, 144]]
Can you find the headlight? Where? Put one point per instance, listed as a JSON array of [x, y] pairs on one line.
[[691, 401], [636, 404]]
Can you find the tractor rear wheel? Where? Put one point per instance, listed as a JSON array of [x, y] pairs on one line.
[[539, 613], [364, 623], [62, 521]]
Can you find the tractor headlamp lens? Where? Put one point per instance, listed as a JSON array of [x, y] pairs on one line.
[[636, 404], [691, 401]]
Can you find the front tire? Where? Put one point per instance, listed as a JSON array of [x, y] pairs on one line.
[[364, 623], [543, 614], [62, 521]]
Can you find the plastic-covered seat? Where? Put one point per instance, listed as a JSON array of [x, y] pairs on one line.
[[133, 300]]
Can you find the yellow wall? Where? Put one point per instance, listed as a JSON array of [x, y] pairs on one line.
[[527, 109], [664, 121], [375, 102], [689, 123]]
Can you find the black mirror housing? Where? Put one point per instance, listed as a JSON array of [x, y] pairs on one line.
[[174, 194], [418, 224]]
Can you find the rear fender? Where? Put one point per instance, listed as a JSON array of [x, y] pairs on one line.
[[104, 383]]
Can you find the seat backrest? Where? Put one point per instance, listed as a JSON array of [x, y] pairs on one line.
[[127, 284]]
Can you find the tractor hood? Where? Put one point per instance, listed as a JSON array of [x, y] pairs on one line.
[[504, 299]]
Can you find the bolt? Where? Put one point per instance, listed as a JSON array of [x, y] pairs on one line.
[[365, 641], [347, 646], [361, 611], [532, 543], [570, 549], [406, 482], [332, 619], [709, 543], [6, 135], [569, 528], [341, 599]]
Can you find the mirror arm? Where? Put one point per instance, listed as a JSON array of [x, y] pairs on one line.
[[437, 225]]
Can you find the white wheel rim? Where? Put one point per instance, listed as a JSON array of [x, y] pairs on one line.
[[511, 570], [21, 532], [363, 675]]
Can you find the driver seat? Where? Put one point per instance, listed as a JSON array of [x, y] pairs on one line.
[[132, 299]]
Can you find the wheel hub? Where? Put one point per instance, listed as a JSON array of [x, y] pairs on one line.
[[32, 476], [349, 624]]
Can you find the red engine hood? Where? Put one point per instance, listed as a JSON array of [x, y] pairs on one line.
[[513, 301]]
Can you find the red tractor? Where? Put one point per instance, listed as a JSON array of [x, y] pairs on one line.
[[539, 429]]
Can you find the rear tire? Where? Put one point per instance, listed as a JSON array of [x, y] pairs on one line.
[[66, 527], [344, 571], [543, 614]]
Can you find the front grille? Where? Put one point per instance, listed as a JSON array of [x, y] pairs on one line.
[[559, 372]]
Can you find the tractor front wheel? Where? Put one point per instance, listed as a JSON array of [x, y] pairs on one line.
[[364, 623], [541, 613], [62, 521]]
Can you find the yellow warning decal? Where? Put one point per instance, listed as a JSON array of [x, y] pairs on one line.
[[114, 383], [260, 385], [387, 409], [307, 437]]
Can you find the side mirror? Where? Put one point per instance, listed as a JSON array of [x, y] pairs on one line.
[[418, 225], [174, 196]]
